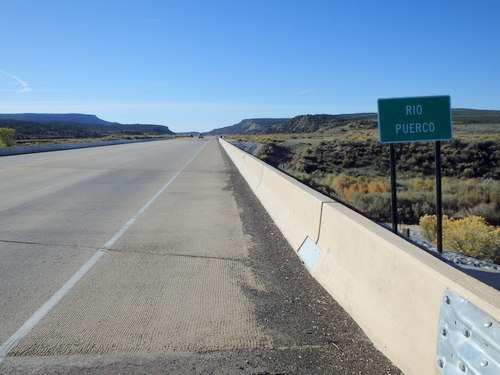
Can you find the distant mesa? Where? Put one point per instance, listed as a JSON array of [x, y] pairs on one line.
[[298, 124], [56, 117], [72, 125], [323, 122], [249, 126]]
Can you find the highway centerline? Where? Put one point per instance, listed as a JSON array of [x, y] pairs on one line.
[[42, 311]]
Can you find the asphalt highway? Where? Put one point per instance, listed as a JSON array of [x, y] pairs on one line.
[[156, 258]]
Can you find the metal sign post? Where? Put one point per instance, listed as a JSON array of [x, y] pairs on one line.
[[416, 119], [439, 204], [394, 200]]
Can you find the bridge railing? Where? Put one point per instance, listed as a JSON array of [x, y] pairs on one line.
[[391, 288]]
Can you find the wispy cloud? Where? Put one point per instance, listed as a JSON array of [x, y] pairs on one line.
[[25, 87], [307, 91]]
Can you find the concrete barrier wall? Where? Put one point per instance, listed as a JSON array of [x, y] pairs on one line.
[[294, 207], [18, 150], [391, 288]]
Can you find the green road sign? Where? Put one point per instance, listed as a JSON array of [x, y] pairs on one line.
[[426, 118]]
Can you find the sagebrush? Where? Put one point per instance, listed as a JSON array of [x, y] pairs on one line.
[[471, 235], [7, 137]]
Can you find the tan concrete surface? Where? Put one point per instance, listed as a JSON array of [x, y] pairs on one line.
[[294, 207], [393, 289], [183, 284], [56, 209], [253, 170], [201, 282]]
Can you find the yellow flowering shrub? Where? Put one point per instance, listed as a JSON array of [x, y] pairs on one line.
[[428, 226], [471, 235]]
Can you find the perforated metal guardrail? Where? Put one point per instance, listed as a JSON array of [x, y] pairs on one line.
[[468, 339]]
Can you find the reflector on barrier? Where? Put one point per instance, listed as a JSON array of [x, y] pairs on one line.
[[309, 252]]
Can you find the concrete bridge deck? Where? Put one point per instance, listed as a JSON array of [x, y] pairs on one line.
[[176, 269]]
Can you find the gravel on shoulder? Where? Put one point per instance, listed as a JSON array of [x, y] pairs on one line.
[[312, 333]]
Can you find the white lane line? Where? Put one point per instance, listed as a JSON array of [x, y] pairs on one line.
[[13, 340]]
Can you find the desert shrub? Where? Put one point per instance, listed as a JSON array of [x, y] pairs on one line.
[[345, 186], [357, 172], [274, 154], [460, 158], [428, 227], [7, 137], [416, 196], [489, 211], [377, 185], [341, 183], [478, 197], [336, 156], [376, 205], [451, 204], [422, 184], [471, 235], [474, 158], [414, 204]]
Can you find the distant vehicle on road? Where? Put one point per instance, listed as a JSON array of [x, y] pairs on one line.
[[200, 136]]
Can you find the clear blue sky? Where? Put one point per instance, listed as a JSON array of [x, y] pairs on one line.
[[198, 65]]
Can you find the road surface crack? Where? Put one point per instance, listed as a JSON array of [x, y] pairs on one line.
[[163, 254], [48, 244]]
